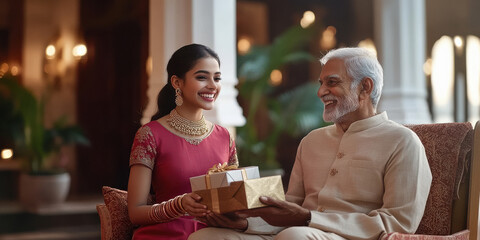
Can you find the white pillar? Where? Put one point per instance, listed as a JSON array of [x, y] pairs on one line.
[[174, 23], [400, 36]]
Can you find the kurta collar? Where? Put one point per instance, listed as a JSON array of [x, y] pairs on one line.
[[366, 123]]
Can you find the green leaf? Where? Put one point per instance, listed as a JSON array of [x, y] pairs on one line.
[[301, 110], [258, 146], [35, 141]]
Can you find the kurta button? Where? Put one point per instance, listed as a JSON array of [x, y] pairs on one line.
[[340, 155], [333, 172], [321, 209]]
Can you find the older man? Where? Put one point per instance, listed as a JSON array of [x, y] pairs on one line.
[[360, 178]]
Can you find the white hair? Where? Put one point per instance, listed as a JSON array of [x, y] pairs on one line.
[[360, 63]]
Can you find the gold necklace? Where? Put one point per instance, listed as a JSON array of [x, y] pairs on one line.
[[185, 126]]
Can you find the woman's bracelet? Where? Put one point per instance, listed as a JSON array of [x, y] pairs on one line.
[[167, 210]]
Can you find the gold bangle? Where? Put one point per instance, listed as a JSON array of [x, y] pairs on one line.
[[182, 209]]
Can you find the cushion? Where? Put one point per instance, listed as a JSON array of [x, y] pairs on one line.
[[116, 202], [119, 221], [105, 222]]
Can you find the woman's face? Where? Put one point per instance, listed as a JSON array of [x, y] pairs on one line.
[[201, 85]]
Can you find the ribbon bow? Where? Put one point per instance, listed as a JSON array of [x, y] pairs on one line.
[[221, 168]]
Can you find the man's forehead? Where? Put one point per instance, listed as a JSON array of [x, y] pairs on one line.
[[331, 76], [333, 67]]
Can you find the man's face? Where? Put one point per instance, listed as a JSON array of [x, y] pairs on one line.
[[335, 92]]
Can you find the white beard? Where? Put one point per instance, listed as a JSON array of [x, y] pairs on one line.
[[345, 105]]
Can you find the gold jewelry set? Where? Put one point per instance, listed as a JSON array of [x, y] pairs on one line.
[[188, 127]]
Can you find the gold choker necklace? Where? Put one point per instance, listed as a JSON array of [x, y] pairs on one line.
[[185, 126]]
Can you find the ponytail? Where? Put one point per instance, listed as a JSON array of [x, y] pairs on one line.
[[165, 101]]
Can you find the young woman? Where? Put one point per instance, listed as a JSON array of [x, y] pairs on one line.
[[178, 144]]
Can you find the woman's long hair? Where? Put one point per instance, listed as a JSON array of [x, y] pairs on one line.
[[180, 63]]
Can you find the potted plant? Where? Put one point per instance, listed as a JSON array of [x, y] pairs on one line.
[[43, 179], [291, 113]]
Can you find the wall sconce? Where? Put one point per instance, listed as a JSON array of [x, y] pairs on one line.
[[328, 40], [79, 51], [61, 57], [5, 67], [50, 52], [307, 19], [7, 154]]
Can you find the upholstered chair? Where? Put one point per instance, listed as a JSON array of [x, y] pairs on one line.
[[453, 152]]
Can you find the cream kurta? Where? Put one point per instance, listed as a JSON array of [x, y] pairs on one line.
[[360, 184]]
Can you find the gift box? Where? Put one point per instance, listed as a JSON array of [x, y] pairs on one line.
[[224, 178], [242, 195]]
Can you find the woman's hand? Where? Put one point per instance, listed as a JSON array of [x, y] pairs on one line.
[[228, 220], [190, 203]]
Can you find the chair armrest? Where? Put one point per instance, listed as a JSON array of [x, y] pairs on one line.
[[462, 235], [105, 222]]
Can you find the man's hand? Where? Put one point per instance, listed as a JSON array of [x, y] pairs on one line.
[[279, 213], [224, 221]]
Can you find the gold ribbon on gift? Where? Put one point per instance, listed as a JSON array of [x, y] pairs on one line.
[[215, 202], [221, 168]]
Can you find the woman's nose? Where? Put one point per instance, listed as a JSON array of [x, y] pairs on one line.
[[212, 84]]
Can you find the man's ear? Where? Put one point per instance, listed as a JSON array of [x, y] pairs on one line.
[[176, 81], [366, 88]]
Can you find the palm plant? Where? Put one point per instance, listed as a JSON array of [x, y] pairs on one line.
[[25, 130], [294, 112]]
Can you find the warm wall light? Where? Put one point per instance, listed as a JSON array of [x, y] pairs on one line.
[[276, 77], [7, 154], [15, 70], [473, 77], [328, 40], [50, 51], [307, 19], [79, 50], [243, 46], [368, 44], [443, 79], [4, 67]]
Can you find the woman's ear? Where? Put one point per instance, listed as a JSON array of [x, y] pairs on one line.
[[176, 81]]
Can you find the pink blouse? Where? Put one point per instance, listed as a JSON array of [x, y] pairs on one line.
[[173, 161]]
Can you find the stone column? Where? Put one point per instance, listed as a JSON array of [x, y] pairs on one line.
[[400, 37], [174, 23]]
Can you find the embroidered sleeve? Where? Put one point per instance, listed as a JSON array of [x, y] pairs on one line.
[[144, 148], [233, 159]]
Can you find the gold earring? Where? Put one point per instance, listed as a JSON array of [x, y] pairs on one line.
[[178, 97]]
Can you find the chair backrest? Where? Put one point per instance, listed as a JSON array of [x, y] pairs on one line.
[[448, 147], [474, 197]]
